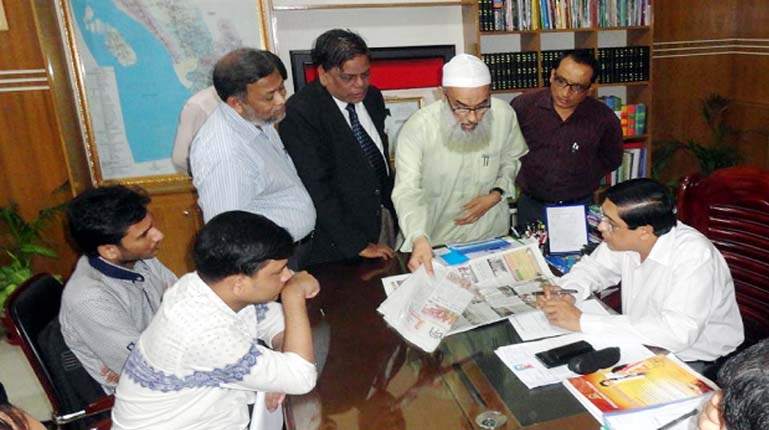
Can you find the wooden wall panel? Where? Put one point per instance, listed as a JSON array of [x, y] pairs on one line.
[[753, 120], [18, 45], [750, 74], [31, 156], [178, 217], [753, 16], [694, 20], [716, 47], [680, 84]]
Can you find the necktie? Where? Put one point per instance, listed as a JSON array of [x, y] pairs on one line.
[[368, 146]]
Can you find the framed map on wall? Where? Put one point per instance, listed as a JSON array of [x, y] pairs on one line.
[[134, 63]]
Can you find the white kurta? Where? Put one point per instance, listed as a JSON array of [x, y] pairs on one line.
[[432, 183], [680, 298], [199, 364]]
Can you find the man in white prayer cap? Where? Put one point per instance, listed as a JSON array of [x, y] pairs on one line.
[[455, 163]]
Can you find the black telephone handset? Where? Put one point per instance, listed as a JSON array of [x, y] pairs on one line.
[[562, 354]]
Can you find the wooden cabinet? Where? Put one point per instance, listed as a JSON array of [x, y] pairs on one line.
[[177, 215]]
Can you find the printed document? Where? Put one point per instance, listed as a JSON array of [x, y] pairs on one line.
[[521, 359]]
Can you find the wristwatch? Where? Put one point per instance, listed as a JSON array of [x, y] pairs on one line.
[[499, 190]]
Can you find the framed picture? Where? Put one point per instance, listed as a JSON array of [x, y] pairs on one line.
[[133, 65], [399, 109], [392, 68]]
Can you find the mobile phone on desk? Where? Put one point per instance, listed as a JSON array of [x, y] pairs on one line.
[[562, 354]]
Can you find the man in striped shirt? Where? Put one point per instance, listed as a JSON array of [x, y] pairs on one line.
[[237, 159]]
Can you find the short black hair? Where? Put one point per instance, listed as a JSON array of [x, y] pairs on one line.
[[335, 47], [101, 216], [584, 57], [238, 243], [644, 201], [744, 379], [243, 66]]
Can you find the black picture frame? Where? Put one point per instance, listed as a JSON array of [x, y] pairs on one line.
[[302, 58]]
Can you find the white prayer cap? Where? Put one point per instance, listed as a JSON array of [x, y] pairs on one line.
[[466, 71]]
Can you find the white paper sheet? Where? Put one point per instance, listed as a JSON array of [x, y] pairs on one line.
[[521, 359], [566, 228], [534, 325], [654, 418]]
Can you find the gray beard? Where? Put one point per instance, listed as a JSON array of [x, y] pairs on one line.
[[266, 123], [458, 140]]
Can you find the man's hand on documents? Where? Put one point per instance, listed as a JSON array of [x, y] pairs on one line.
[[478, 207], [559, 308], [421, 253]]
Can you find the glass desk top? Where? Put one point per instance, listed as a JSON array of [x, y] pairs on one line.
[[370, 378]]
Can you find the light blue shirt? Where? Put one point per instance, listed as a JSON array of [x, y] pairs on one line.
[[239, 166]]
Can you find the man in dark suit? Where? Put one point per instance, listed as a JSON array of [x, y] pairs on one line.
[[334, 132]]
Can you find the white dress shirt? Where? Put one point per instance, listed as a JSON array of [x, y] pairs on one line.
[[366, 122], [680, 298]]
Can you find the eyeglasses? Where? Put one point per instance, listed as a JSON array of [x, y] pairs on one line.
[[611, 226], [348, 78], [464, 111], [563, 83]]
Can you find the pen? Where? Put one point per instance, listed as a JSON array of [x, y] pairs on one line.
[[680, 419], [555, 293]]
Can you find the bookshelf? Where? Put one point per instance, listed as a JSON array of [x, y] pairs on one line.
[[461, 22], [520, 48]]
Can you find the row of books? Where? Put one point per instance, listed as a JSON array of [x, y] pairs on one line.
[[632, 116], [623, 13], [517, 15], [514, 70], [550, 60], [633, 165], [511, 70], [624, 64]]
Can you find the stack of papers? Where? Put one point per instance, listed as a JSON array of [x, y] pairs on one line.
[[534, 325], [647, 394], [483, 290], [660, 416]]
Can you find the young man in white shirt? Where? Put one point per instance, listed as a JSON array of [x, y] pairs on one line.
[[677, 291], [202, 359]]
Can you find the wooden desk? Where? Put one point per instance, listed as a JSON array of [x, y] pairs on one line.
[[371, 379]]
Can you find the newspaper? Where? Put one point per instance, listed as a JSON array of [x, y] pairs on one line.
[[486, 289]]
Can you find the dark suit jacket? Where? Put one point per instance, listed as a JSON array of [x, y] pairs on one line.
[[341, 182]]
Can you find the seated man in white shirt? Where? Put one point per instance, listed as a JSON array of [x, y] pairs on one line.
[[677, 291], [201, 361]]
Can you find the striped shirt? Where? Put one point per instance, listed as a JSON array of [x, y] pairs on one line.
[[239, 166]]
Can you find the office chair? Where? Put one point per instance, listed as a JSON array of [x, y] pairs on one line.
[[32, 312], [731, 208]]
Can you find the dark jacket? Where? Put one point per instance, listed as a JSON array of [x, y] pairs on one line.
[[343, 185]]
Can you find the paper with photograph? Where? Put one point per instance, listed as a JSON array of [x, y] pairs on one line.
[[499, 285], [423, 308]]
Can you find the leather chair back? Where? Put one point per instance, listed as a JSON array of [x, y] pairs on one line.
[[731, 208], [78, 401]]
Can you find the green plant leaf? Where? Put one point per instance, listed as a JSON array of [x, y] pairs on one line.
[[33, 249]]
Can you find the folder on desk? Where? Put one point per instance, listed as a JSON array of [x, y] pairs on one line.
[[648, 391]]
